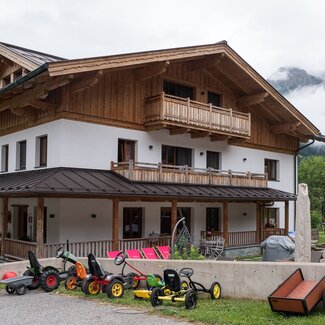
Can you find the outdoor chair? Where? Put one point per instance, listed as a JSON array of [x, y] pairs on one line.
[[113, 254], [149, 253], [133, 254], [164, 252], [216, 248]]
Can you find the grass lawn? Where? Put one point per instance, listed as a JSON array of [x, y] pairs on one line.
[[222, 311]]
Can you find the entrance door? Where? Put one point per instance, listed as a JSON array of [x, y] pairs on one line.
[[22, 223]]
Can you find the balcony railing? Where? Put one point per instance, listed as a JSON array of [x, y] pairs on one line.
[[166, 110], [147, 172]]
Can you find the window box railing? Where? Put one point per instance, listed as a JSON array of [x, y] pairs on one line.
[[166, 110], [147, 172]]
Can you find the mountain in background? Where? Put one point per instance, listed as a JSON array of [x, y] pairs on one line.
[[288, 79], [293, 80]]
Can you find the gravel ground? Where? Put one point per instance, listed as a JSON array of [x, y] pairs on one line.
[[39, 308]]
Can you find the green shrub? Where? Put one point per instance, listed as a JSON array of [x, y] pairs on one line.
[[187, 254]]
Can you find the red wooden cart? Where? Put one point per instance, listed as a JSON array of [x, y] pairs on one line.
[[296, 295]]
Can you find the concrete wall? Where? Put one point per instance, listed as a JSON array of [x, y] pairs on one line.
[[254, 280]]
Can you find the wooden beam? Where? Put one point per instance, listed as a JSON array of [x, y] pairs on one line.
[[173, 216], [83, 83], [207, 62], [4, 223], [115, 223], [179, 131], [258, 222], [220, 137], [195, 135], [225, 222], [286, 217], [250, 100], [151, 71], [284, 127], [40, 227], [35, 93], [232, 141], [44, 106]]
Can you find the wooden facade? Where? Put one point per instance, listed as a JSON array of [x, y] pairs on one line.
[[118, 97]]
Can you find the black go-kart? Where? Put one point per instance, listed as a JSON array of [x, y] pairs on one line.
[[176, 292]]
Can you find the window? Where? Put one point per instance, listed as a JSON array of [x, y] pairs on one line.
[[213, 160], [177, 90], [126, 150], [21, 155], [4, 158], [214, 99], [271, 217], [176, 156], [41, 151], [132, 222], [213, 219], [165, 219], [271, 169]]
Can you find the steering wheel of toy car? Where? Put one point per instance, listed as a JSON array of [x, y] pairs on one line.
[[186, 272], [119, 258], [60, 252]]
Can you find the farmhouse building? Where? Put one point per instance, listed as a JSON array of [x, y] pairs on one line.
[[105, 151]]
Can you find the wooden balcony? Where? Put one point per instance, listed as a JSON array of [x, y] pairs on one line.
[[146, 172], [173, 112]]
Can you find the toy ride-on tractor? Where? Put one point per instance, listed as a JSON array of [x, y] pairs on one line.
[[98, 280], [49, 277], [214, 290], [46, 277], [177, 293], [76, 273], [133, 279]]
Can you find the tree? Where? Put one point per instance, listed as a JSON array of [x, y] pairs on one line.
[[312, 172]]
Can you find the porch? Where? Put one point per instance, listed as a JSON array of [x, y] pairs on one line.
[[200, 119], [84, 205]]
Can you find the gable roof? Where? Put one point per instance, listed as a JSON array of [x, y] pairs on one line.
[[80, 182], [249, 82], [26, 58]]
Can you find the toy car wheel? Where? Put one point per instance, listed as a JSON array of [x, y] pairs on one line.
[[115, 289], [215, 290], [184, 285], [90, 287], [71, 283], [155, 301], [49, 280], [190, 299], [35, 283], [158, 278], [21, 290], [129, 281], [10, 289]]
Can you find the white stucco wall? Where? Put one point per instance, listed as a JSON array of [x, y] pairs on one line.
[[86, 145]]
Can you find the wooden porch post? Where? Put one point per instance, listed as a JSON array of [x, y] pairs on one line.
[[40, 227], [4, 223], [115, 223], [286, 217], [174, 215], [258, 222], [225, 222]]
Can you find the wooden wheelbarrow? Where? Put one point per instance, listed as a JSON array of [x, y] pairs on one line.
[[296, 295], [18, 284]]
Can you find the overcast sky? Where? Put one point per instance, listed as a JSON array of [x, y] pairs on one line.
[[267, 34]]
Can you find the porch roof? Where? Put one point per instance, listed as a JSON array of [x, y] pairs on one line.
[[80, 182]]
